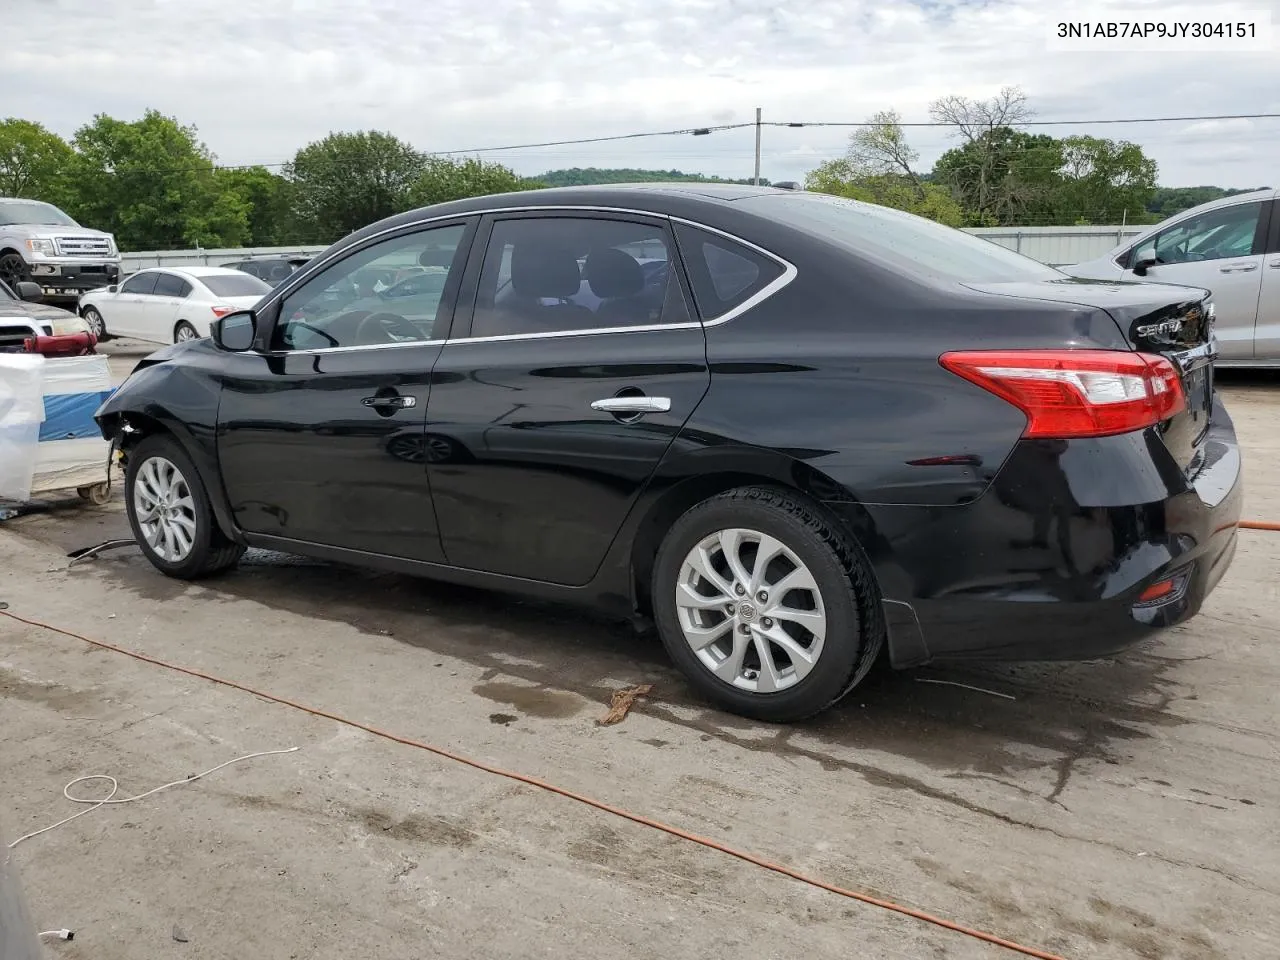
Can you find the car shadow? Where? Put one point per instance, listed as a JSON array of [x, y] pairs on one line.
[[1009, 723]]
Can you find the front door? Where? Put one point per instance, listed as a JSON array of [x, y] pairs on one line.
[[321, 438], [1220, 250], [1267, 334], [554, 404], [125, 312]]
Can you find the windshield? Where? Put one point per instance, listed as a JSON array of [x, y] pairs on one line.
[[910, 243], [236, 285], [33, 211]]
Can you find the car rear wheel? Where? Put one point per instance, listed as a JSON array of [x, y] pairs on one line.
[[767, 610], [97, 326], [170, 514], [184, 332]]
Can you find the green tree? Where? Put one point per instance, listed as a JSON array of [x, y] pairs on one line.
[[589, 176], [844, 178], [268, 198], [1102, 181], [152, 183], [984, 128], [33, 161], [443, 179], [349, 180], [1003, 176]]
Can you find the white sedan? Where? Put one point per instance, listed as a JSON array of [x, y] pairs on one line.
[[169, 304]]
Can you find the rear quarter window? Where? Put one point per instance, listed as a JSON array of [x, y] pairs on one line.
[[723, 273]]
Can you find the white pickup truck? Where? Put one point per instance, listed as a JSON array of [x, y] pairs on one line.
[[41, 244]]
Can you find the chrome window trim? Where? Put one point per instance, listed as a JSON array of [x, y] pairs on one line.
[[789, 273]]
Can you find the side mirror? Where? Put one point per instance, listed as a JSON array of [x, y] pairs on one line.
[[113, 288], [1142, 266], [29, 291], [235, 332]]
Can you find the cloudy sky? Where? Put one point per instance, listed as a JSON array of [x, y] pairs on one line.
[[259, 78]]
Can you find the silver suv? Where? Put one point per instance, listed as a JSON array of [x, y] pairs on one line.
[[41, 244]]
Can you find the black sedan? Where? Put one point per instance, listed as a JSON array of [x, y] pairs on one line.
[[794, 430]]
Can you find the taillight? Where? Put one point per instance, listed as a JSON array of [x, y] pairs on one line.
[[1076, 393], [221, 312]]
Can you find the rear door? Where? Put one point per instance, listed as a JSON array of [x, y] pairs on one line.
[[1266, 344], [554, 403], [1222, 251], [161, 312]]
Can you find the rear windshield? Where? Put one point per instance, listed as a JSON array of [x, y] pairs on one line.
[[910, 243], [236, 285]]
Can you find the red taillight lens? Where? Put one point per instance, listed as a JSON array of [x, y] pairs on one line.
[[221, 312], [1076, 393]]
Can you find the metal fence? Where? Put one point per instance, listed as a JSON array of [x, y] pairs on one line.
[[1055, 246]]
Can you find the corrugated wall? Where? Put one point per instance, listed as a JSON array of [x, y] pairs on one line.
[[1053, 245]]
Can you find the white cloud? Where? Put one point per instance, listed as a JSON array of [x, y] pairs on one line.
[[262, 77]]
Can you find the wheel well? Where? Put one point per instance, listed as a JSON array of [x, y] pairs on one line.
[[182, 323], [674, 503], [140, 425], [10, 250]]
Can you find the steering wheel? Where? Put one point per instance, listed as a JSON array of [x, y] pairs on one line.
[[386, 328]]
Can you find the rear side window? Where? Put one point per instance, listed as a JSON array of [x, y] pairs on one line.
[[723, 273], [169, 285]]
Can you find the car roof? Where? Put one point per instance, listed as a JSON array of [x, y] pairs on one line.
[[1264, 194], [195, 272], [709, 203]]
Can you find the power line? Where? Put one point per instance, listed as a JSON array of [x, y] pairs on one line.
[[1035, 123]]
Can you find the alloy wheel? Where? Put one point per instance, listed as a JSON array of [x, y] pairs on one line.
[[751, 610], [94, 319], [13, 270], [165, 509]]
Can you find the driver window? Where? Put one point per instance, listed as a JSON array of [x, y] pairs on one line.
[[1215, 235], [387, 293]]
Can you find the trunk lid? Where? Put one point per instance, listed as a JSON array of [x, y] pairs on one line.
[[1165, 320]]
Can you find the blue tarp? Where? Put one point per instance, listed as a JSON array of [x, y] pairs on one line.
[[69, 416]]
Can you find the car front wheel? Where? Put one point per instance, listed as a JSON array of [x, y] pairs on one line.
[[97, 326], [170, 514], [767, 609]]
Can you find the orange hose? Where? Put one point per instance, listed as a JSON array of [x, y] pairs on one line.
[[563, 792], [1259, 525]]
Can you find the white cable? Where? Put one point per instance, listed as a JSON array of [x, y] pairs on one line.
[[115, 787]]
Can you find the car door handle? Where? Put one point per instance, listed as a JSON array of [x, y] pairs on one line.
[[632, 405], [1274, 264], [396, 402], [1238, 268]]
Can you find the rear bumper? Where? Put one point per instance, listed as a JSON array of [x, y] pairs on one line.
[[1051, 562]]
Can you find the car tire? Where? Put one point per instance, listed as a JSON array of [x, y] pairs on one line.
[[186, 542], [184, 332], [97, 326], [832, 629], [13, 270]]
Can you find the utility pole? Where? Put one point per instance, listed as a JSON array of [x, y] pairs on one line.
[[756, 181]]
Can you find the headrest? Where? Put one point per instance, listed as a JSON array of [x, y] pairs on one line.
[[612, 273], [436, 257], [544, 272]]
